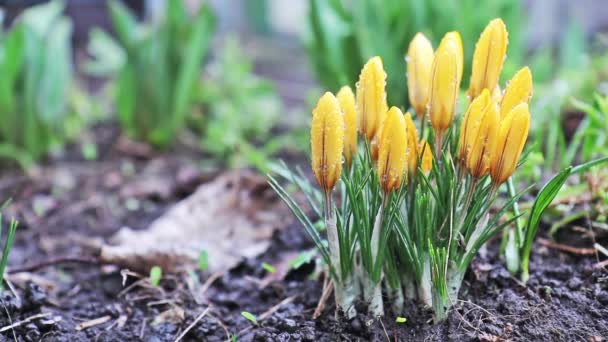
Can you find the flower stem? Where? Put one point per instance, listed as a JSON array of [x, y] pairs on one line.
[[334, 251], [374, 289]]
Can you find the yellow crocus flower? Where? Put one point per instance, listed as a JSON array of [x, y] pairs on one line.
[[519, 90], [426, 159], [488, 58], [327, 141], [371, 97], [347, 103], [411, 153], [391, 152], [470, 125], [455, 37], [479, 158], [444, 86], [510, 142], [419, 65]]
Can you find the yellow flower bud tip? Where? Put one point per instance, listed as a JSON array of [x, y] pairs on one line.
[[411, 153], [375, 143], [470, 125], [455, 37], [511, 138], [371, 97], [327, 141], [391, 152], [347, 103], [488, 58], [419, 66], [519, 90], [426, 161], [444, 86], [483, 143]]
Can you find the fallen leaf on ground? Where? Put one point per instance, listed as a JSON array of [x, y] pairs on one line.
[[231, 217]]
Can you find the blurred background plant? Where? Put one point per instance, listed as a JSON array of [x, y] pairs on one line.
[[162, 87], [156, 67], [36, 69], [241, 109], [342, 35], [566, 78]]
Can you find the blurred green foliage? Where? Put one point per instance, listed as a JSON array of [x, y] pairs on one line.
[[240, 110], [567, 127], [156, 66], [342, 35], [35, 79]]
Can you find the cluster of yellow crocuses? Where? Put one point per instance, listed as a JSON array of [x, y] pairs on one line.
[[492, 133]]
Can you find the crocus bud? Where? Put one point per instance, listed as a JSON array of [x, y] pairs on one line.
[[391, 153], [470, 125], [444, 86], [371, 97], [510, 142], [488, 58], [454, 36], [374, 145], [426, 159], [411, 153], [347, 103], [327, 141], [478, 162], [519, 90], [419, 65]]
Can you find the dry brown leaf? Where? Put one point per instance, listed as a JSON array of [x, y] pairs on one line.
[[231, 217]]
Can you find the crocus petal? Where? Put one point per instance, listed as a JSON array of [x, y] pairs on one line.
[[512, 136], [444, 86], [327, 141], [391, 153], [470, 125], [479, 159], [419, 65], [488, 58], [411, 153], [519, 90], [371, 97], [347, 103]]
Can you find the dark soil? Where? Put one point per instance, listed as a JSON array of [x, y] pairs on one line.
[[69, 203]]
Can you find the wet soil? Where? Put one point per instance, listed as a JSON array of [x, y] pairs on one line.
[[69, 203]]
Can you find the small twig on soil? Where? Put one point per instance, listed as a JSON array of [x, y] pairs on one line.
[[161, 302], [193, 324], [517, 281], [93, 322], [145, 283], [327, 289], [275, 308], [12, 288], [219, 321], [10, 320], [22, 322], [215, 276], [142, 330], [601, 264], [52, 262], [385, 333], [566, 248], [120, 322]]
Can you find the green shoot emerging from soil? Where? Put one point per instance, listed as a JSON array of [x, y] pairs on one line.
[[8, 244]]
